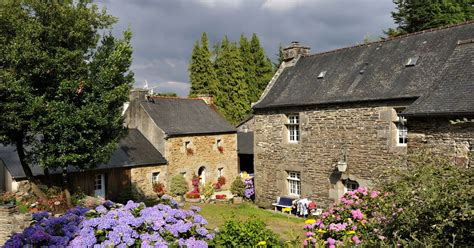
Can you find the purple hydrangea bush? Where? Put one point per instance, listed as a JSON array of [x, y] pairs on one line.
[[249, 188], [50, 231], [136, 225], [357, 220]]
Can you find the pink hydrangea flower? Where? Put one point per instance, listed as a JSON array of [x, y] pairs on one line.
[[357, 214]]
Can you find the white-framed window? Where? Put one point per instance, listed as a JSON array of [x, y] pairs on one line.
[[184, 174], [98, 182], [293, 126], [219, 142], [294, 183], [220, 172], [155, 176], [402, 131], [187, 144]]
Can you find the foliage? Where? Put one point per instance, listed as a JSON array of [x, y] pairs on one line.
[[178, 186], [134, 224], [249, 188], [207, 190], [59, 83], [126, 195], [237, 187], [202, 75], [193, 195], [77, 196], [436, 197], [235, 76], [159, 189], [416, 15], [169, 94], [358, 218], [47, 230], [220, 183], [250, 233], [7, 197]]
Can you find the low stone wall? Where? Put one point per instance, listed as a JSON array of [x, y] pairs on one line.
[[11, 222]]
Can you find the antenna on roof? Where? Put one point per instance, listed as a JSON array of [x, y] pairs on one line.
[[146, 84]]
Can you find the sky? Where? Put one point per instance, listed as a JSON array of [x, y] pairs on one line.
[[164, 31]]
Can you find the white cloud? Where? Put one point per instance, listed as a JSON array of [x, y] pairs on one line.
[[284, 5], [220, 3]]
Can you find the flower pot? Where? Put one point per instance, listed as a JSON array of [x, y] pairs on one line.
[[341, 166], [237, 200]]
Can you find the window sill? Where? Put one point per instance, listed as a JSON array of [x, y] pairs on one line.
[[293, 142]]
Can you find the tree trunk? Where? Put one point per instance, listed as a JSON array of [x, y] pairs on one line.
[[26, 168], [67, 194]]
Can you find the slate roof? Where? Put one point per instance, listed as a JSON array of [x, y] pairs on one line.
[[374, 71], [133, 150], [454, 94], [184, 116], [245, 143]]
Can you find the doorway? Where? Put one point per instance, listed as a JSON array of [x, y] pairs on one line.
[[202, 174], [99, 185]]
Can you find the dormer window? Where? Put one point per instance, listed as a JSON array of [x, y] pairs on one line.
[[412, 61], [322, 74]]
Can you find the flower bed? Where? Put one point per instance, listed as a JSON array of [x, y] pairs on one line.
[[358, 218], [111, 224]]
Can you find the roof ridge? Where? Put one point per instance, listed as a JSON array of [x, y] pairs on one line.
[[394, 38], [176, 97]]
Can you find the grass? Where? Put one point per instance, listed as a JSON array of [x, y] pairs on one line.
[[288, 227]]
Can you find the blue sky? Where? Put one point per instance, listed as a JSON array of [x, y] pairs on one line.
[[164, 31]]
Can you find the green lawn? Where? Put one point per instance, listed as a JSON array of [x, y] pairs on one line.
[[288, 227]]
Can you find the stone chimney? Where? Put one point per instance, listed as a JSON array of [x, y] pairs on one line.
[[131, 113], [138, 94], [206, 98], [294, 50]]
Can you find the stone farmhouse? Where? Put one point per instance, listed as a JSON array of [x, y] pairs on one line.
[[333, 121], [189, 133], [166, 137]]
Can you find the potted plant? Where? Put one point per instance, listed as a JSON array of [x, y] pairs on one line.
[[207, 191], [189, 151], [194, 195], [238, 189], [159, 189], [221, 149]]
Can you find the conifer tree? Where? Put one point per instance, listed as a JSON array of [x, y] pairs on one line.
[[249, 67], [263, 67], [232, 99], [201, 70]]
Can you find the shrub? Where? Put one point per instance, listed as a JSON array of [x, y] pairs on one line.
[[193, 195], [178, 186], [77, 196], [237, 187], [249, 233], [49, 231], [126, 195], [436, 198], [207, 190], [136, 225], [358, 218], [249, 188]]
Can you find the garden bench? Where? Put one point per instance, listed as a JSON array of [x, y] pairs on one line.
[[283, 202]]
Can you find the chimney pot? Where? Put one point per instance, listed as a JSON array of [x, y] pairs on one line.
[[294, 50], [207, 98]]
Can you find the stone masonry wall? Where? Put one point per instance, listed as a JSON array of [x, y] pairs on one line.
[[368, 134], [205, 153], [440, 136], [141, 179], [11, 222]]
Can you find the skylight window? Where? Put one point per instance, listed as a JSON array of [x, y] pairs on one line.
[[322, 74], [412, 61]]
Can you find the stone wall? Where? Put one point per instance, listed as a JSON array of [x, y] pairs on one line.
[[141, 179], [11, 222], [367, 134], [204, 154], [440, 136]]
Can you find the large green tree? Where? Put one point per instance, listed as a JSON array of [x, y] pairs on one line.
[[232, 98], [201, 70], [61, 90], [416, 15], [263, 68]]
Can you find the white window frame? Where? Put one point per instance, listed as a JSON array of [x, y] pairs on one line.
[[402, 132], [155, 176], [98, 181], [349, 185], [293, 126], [294, 183], [220, 172]]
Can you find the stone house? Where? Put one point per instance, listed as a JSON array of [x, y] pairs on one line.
[[333, 121], [166, 137], [190, 134], [134, 152]]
